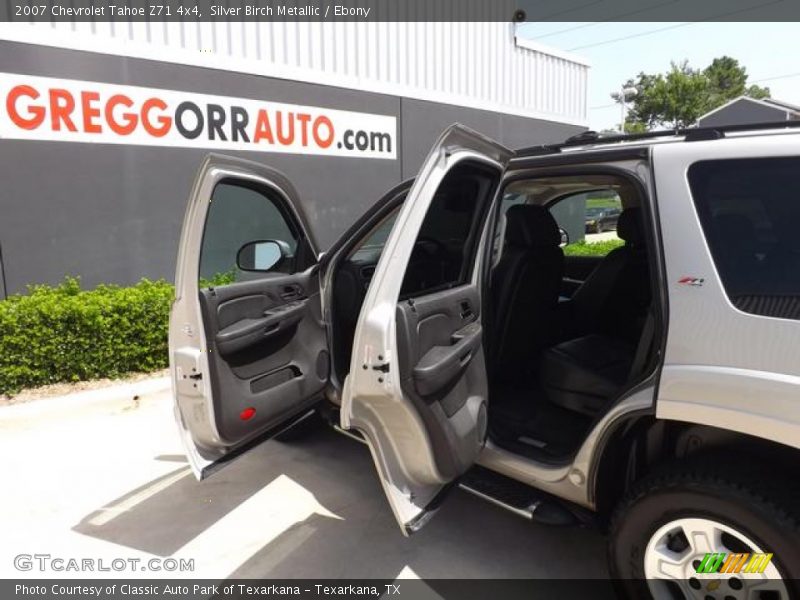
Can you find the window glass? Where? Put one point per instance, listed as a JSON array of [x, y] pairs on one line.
[[378, 237], [443, 254], [588, 218], [239, 215], [750, 211]]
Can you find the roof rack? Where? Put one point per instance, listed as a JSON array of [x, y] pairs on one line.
[[690, 134]]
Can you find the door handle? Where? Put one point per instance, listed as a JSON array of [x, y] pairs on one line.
[[290, 292], [466, 311]]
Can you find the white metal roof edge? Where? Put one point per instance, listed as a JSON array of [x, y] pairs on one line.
[[529, 44], [12, 33]]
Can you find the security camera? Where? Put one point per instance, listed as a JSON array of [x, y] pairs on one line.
[[519, 16]]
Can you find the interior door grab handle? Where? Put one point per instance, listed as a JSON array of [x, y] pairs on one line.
[[441, 364], [246, 332]]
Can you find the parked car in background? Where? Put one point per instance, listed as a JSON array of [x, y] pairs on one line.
[[600, 219]]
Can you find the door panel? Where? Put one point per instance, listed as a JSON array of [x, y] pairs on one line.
[[440, 353], [271, 354], [417, 387], [248, 350]]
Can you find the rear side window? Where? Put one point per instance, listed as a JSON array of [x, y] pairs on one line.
[[750, 214]]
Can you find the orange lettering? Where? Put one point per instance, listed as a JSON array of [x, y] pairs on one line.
[[37, 112]]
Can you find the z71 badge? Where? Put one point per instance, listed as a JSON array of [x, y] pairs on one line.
[[696, 281]]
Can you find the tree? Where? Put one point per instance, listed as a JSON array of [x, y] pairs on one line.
[[678, 97]]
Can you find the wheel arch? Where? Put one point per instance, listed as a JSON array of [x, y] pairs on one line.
[[643, 443]]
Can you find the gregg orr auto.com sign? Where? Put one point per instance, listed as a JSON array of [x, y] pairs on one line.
[[64, 110]]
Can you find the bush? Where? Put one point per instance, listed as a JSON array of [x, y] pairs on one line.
[[63, 333], [584, 248]]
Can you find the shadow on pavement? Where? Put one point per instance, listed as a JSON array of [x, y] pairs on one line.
[[467, 538]]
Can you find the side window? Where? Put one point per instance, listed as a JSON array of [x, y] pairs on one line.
[[445, 248], [749, 210], [373, 243], [590, 220], [238, 216]]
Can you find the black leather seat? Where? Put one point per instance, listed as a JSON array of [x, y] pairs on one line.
[[615, 298], [525, 287], [608, 311], [585, 373]]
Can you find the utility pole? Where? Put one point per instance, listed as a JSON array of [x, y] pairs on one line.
[[622, 96]]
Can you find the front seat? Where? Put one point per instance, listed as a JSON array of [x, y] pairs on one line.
[[525, 287], [608, 313]]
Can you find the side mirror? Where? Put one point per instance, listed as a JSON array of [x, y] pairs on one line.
[[564, 237], [261, 255]]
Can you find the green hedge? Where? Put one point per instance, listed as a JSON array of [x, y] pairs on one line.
[[584, 248], [63, 333]]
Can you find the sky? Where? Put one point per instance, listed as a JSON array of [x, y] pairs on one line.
[[619, 51]]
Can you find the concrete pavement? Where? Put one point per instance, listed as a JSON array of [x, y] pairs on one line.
[[110, 481]]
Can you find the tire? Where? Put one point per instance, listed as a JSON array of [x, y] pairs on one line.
[[746, 511]]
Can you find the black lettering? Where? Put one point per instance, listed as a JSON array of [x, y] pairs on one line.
[[362, 140], [191, 107], [239, 120], [377, 141], [348, 139], [216, 120]]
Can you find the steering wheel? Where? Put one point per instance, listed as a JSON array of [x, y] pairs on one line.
[[432, 247]]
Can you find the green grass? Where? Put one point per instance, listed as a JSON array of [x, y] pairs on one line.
[[584, 248], [603, 203]]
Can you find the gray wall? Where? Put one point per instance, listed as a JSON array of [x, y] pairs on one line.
[[112, 213], [742, 113]]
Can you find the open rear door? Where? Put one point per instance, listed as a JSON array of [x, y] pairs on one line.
[[248, 350], [417, 388]]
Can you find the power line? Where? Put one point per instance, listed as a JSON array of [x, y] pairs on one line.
[[616, 18], [774, 78], [652, 31], [635, 35]]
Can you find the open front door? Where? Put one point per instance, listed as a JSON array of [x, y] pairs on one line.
[[417, 387], [248, 350]]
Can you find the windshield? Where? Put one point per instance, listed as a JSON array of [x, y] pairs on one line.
[[594, 212]]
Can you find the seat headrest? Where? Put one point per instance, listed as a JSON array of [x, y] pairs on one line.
[[529, 225], [629, 226]]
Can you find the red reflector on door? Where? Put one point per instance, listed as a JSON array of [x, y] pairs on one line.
[[247, 413]]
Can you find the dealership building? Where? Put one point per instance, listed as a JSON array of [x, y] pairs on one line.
[[103, 125]]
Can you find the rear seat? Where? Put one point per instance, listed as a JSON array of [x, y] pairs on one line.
[[585, 373], [609, 309]]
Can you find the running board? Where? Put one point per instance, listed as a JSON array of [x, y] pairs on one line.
[[516, 497]]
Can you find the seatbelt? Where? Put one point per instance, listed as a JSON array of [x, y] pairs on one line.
[[645, 343]]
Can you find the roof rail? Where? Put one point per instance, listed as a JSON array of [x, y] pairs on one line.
[[690, 134]]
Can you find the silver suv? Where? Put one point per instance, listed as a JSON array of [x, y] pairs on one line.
[[465, 331]]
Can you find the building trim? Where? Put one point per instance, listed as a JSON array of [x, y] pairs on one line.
[[529, 44], [41, 36]]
